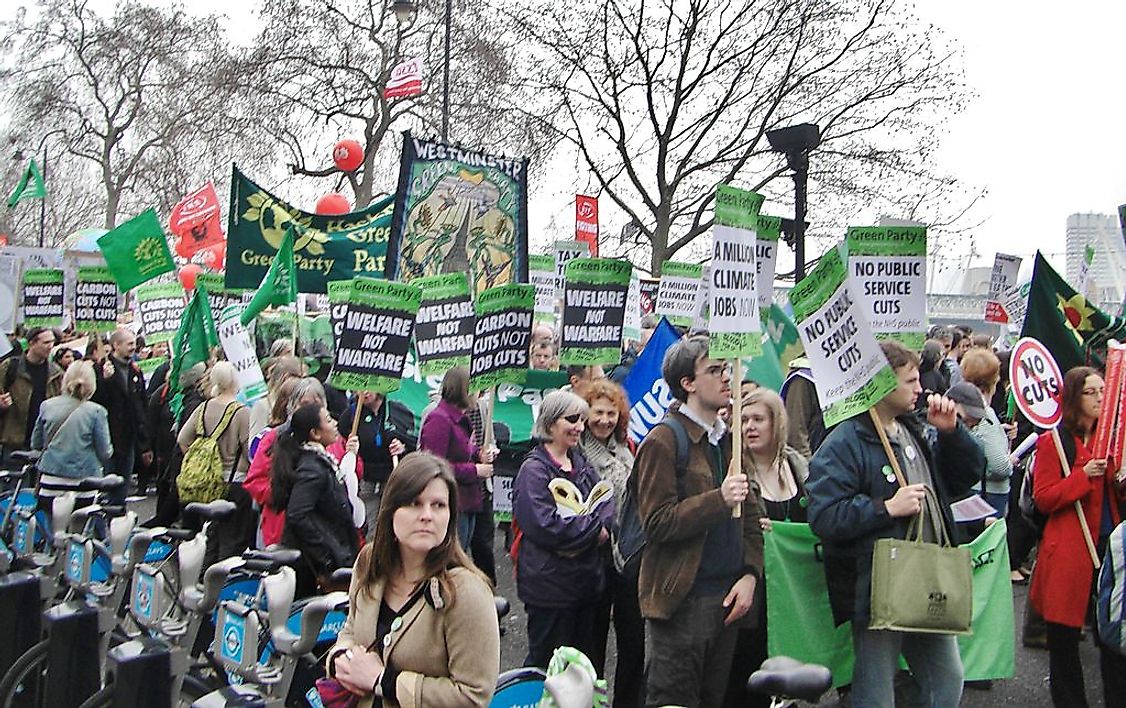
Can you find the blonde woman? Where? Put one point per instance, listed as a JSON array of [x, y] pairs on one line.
[[73, 433]]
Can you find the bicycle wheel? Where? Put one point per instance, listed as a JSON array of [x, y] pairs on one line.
[[23, 684], [100, 699]]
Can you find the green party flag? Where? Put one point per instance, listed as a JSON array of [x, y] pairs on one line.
[[1071, 327], [279, 285], [35, 190], [137, 251], [192, 344], [801, 622]]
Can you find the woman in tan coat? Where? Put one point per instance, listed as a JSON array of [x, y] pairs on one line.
[[422, 625]]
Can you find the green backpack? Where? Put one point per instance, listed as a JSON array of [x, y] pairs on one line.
[[201, 477]]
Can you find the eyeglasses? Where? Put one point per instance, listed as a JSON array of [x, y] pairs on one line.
[[574, 418], [716, 370]]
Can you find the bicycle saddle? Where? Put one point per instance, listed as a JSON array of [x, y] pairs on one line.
[[341, 576], [789, 678], [25, 456], [212, 511], [100, 484], [501, 605], [275, 555]]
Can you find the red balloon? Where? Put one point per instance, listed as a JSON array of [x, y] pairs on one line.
[[214, 255], [333, 204], [348, 155], [188, 275]]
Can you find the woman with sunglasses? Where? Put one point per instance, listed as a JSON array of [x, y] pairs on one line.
[[1061, 580], [564, 521]]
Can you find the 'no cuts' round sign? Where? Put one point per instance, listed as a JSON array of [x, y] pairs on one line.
[[1037, 383]]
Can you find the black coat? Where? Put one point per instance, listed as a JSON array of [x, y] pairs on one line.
[[318, 517], [126, 402]]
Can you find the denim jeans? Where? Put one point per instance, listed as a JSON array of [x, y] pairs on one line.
[[122, 464], [933, 659], [371, 493], [465, 525]]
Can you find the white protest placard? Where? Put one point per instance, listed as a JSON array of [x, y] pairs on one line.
[[679, 291], [1015, 302], [1037, 383], [851, 370], [567, 251], [766, 258], [541, 274], [239, 350], [732, 296], [631, 328], [1004, 276], [888, 267]]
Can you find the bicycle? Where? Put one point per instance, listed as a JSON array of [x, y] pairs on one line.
[[785, 679]]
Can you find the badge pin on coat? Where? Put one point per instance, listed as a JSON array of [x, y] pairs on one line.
[[888, 474]]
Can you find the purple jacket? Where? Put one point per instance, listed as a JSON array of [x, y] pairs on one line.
[[447, 434], [560, 563]]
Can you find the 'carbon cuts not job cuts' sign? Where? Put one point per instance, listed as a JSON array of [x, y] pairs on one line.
[[501, 336]]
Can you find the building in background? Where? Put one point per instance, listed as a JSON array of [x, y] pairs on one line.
[[1109, 267]]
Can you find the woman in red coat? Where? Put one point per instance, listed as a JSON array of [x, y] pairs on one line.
[[1061, 583]]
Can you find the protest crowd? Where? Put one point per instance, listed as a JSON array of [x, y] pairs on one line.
[[708, 490]]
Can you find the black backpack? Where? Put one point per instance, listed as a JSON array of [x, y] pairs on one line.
[[628, 535]]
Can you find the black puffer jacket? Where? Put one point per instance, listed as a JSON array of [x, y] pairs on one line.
[[318, 517]]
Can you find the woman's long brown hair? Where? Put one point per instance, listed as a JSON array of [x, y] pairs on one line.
[[381, 557]]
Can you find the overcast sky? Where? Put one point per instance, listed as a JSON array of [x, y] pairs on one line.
[[1044, 133]]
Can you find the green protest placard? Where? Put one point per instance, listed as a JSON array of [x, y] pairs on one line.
[[338, 293], [851, 371], [766, 257], [137, 251], [443, 330], [327, 247], [150, 365], [888, 266], [678, 293], [376, 336], [161, 305], [501, 336], [43, 293], [594, 310], [733, 308], [95, 300], [541, 274], [219, 296]]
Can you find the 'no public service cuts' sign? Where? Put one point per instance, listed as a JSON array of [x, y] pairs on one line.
[[888, 266]]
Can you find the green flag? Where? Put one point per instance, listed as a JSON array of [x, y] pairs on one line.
[[1073, 329], [192, 344], [279, 285], [30, 186], [137, 251]]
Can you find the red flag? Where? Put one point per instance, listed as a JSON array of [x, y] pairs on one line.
[[195, 221], [586, 221], [405, 80]]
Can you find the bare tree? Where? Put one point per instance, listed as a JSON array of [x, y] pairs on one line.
[[665, 99], [322, 66], [129, 92]]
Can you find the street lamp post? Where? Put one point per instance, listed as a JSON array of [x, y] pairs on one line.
[[42, 149], [795, 143], [404, 11]]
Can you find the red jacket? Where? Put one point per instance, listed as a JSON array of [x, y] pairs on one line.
[[1061, 583]]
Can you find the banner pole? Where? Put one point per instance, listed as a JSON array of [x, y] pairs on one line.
[[737, 429], [1078, 507], [488, 440]]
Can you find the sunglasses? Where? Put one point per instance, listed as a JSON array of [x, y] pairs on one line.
[[574, 418]]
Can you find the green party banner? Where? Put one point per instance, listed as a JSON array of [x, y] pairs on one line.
[[327, 247], [541, 274], [800, 621], [733, 308], [888, 266], [161, 305], [137, 251], [95, 300], [594, 310], [678, 293], [443, 330], [459, 209], [30, 186], [373, 345], [501, 336], [851, 370], [43, 294]]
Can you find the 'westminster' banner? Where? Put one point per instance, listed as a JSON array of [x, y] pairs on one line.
[[329, 248]]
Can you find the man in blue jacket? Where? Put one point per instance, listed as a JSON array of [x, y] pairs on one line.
[[855, 499]]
